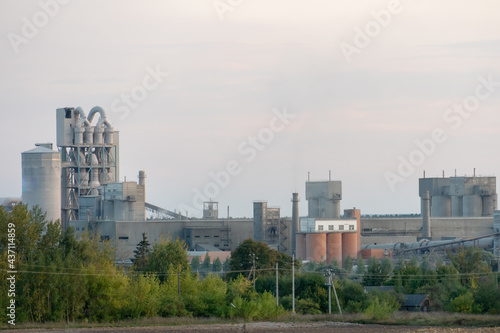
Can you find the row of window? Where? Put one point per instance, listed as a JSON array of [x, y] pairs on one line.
[[331, 227], [206, 236]]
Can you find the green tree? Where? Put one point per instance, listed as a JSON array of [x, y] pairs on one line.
[[265, 257], [166, 254], [141, 254], [487, 296], [207, 264], [469, 263], [195, 264], [347, 265], [217, 266], [360, 267]]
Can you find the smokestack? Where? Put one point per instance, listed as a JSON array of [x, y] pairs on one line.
[[142, 182], [142, 178], [426, 215], [295, 222]]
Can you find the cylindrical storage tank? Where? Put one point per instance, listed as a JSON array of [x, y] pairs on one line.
[[108, 135], [473, 205], [336, 209], [316, 247], [440, 206], [489, 204], [426, 216], [334, 247], [456, 206], [301, 246], [98, 135], [41, 181], [350, 245], [88, 136], [79, 135], [350, 214]]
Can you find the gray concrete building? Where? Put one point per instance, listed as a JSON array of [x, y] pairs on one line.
[[460, 196], [323, 199]]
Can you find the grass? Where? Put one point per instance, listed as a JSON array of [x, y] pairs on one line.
[[437, 319]]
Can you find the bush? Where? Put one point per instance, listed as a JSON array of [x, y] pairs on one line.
[[464, 304], [379, 310], [307, 306]]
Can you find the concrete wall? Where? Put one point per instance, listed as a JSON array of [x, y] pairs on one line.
[[129, 233], [388, 230]]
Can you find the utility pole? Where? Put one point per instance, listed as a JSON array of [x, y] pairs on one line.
[[277, 291], [336, 298], [329, 284], [178, 281], [254, 271], [329, 274], [293, 284]]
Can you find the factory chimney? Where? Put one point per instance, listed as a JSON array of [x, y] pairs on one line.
[[142, 181], [426, 215], [295, 222]]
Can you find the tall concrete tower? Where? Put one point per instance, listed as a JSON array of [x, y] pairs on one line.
[[89, 155], [323, 198]]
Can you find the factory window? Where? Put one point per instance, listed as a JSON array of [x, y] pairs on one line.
[[320, 227], [216, 236], [216, 245], [104, 238], [226, 244], [351, 227], [123, 237], [207, 236], [341, 227], [196, 236], [68, 114], [330, 227]]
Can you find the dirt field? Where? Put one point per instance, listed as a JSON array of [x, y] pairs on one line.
[[263, 327]]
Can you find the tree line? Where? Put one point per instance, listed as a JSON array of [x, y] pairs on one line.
[[62, 278]]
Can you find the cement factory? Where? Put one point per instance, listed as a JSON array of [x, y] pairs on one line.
[[79, 185]]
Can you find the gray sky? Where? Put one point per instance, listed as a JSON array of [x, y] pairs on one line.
[[229, 67]]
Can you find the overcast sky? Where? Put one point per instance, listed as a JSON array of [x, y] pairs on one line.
[[351, 102]]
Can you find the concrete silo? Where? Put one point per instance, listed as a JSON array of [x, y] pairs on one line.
[[316, 247], [41, 180], [472, 205], [351, 242], [334, 247], [300, 241]]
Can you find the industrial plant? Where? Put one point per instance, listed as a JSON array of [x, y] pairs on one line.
[[79, 184]]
